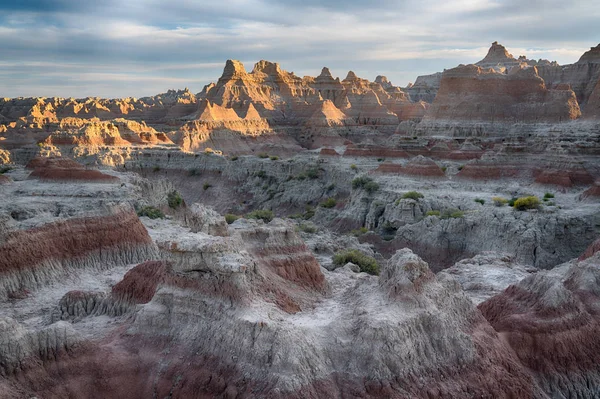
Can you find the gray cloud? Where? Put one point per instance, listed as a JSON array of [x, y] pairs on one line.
[[135, 47]]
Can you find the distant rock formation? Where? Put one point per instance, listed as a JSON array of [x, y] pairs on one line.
[[471, 93], [498, 58], [581, 76]]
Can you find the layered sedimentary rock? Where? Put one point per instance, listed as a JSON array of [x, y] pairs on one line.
[[283, 97], [581, 76], [592, 109], [498, 58], [34, 257], [425, 87], [550, 319], [61, 169], [470, 93]]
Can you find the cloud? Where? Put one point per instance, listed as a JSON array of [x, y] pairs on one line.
[[135, 48]]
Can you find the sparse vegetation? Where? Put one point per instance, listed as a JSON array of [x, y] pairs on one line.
[[263, 155], [331, 187], [353, 167], [452, 214], [524, 203], [388, 229], [329, 203], [312, 173], [206, 186], [380, 159], [156, 169], [193, 172], [234, 158], [4, 169], [444, 168], [174, 200], [151, 212], [359, 232], [499, 201], [263, 214], [309, 212], [480, 200], [230, 218], [461, 167], [365, 183], [548, 197], [367, 264], [261, 173], [432, 213], [307, 228], [273, 158], [413, 195]]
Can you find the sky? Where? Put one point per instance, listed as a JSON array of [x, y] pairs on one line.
[[122, 48]]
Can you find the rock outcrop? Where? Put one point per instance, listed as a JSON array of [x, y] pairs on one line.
[[550, 319], [32, 258], [470, 93]]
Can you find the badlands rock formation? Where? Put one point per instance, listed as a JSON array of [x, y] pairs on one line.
[[471, 93], [211, 245]]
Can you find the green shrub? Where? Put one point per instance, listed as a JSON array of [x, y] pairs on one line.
[[309, 212], [353, 167], [331, 187], [151, 212], [312, 173], [234, 158], [461, 167], [380, 159], [388, 228], [432, 213], [359, 232], [174, 199], [371, 187], [329, 203], [366, 263], [548, 197], [193, 172], [263, 155], [524, 203], [261, 173], [4, 169], [273, 158], [444, 168], [480, 200], [499, 201], [511, 202], [452, 214], [206, 186], [230, 218], [414, 195], [365, 183], [264, 214], [156, 169]]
